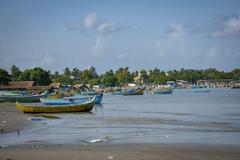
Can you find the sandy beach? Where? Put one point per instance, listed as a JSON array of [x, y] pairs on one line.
[[13, 120], [120, 151]]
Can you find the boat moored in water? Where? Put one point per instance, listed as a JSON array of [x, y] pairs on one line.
[[133, 91]]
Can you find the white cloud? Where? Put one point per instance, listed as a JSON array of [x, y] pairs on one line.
[[99, 46], [48, 58], [213, 52], [90, 20], [108, 27], [121, 56], [230, 26], [175, 30]]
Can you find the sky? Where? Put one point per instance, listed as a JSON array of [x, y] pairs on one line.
[[108, 34]]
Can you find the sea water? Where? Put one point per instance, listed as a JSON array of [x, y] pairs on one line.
[[182, 117]]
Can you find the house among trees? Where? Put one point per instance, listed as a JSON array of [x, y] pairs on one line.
[[20, 85], [28, 85], [216, 83]]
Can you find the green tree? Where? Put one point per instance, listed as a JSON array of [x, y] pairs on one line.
[[109, 79], [236, 74], [15, 72], [123, 76], [4, 76], [94, 81], [25, 75], [40, 76], [144, 76], [64, 80], [67, 72]]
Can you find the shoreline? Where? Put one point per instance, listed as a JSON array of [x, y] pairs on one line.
[[120, 151]]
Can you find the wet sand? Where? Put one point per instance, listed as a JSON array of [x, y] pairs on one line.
[[13, 120], [121, 151]]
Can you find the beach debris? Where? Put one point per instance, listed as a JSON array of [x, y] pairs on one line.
[[33, 146], [96, 140], [167, 136], [139, 134], [1, 130], [110, 157], [49, 116], [103, 139], [5, 158], [3, 121], [3, 146], [18, 133], [3, 112], [35, 119]]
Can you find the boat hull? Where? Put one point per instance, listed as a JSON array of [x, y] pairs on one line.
[[19, 98], [98, 97], [133, 92], [33, 108], [162, 92]]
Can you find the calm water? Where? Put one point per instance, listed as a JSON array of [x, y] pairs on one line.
[[183, 117]]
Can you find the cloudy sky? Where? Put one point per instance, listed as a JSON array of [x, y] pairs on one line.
[[107, 34]]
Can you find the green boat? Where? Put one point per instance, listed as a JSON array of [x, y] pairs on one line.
[[22, 98]]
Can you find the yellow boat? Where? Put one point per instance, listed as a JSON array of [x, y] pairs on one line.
[[41, 108]]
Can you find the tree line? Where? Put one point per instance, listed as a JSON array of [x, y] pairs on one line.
[[113, 78]]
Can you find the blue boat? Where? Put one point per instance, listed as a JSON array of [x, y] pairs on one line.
[[162, 91], [98, 98], [71, 100]]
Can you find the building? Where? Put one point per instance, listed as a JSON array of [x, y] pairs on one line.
[[216, 83], [20, 85], [183, 84]]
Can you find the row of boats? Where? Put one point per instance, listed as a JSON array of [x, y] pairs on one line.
[[52, 103], [78, 102]]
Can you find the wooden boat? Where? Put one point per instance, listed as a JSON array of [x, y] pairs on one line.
[[98, 99], [41, 108], [129, 92], [77, 97], [22, 98], [65, 100]]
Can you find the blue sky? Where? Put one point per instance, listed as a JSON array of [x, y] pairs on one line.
[[107, 34]]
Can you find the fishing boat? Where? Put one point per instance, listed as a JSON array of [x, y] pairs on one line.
[[22, 98], [133, 91], [98, 99], [77, 97], [85, 106], [69, 100]]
